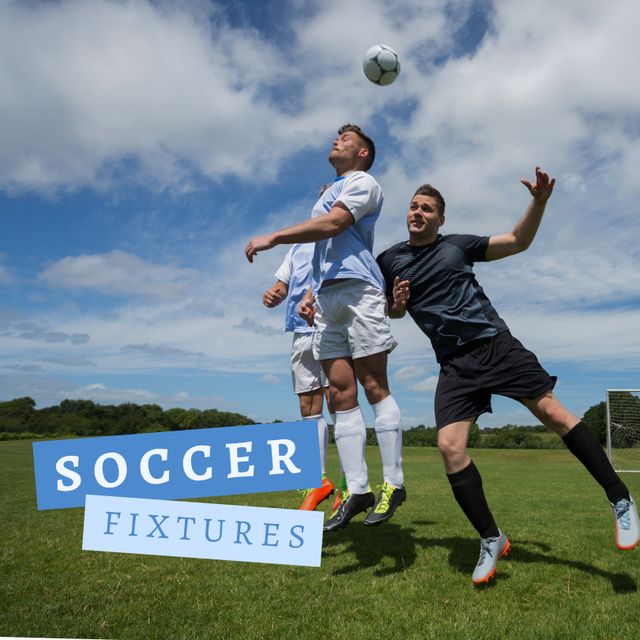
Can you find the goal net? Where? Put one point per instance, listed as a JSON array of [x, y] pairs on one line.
[[623, 429]]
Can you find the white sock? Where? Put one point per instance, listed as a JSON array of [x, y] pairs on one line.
[[333, 422], [323, 439], [351, 437], [388, 427]]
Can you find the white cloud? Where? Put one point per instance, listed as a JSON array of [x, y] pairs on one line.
[[141, 91], [409, 373], [101, 393], [564, 279], [270, 378], [127, 80], [528, 95], [161, 351], [161, 88], [428, 384], [119, 273]]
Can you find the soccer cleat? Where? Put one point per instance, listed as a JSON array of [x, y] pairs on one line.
[[351, 505], [491, 550], [627, 524], [388, 500], [336, 505], [313, 497], [340, 494]]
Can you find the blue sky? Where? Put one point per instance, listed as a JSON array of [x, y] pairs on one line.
[[143, 144]]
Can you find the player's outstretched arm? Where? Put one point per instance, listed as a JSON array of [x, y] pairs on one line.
[[274, 295], [399, 298], [526, 228], [320, 228]]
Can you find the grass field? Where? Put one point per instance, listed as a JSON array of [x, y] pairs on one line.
[[409, 578]]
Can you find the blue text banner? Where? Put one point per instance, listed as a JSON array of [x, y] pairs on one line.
[[178, 464], [202, 530]]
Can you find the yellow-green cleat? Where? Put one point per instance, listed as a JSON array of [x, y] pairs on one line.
[[388, 500], [351, 505]]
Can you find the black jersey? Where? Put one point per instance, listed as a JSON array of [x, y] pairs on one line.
[[445, 301]]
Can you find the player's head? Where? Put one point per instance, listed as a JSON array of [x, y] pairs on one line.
[[432, 192], [426, 212], [352, 149]]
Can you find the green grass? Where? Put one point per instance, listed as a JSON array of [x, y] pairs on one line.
[[409, 578]]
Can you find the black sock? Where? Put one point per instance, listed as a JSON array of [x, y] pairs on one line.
[[584, 446], [467, 490]]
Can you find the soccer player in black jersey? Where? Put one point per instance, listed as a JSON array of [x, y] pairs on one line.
[[431, 277]]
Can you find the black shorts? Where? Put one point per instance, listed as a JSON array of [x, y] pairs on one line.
[[499, 365]]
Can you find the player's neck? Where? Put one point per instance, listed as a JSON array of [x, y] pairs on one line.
[[347, 167], [421, 240]]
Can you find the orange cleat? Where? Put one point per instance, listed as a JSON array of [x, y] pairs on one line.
[[337, 501], [313, 497], [341, 494]]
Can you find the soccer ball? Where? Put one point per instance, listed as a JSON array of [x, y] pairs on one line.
[[381, 64]]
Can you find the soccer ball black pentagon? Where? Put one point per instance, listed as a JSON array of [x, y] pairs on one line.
[[381, 64]]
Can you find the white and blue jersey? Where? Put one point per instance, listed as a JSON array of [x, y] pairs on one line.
[[349, 254], [295, 271]]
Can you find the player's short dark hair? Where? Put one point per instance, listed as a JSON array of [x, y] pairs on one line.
[[368, 142], [428, 190], [323, 188]]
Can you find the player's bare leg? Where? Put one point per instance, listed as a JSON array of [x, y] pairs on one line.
[[342, 484], [584, 446], [466, 484], [311, 409], [371, 372], [351, 435]]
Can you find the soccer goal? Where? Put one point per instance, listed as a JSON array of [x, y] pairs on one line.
[[623, 429]]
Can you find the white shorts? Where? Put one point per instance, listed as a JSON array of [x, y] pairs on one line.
[[351, 321], [306, 371]]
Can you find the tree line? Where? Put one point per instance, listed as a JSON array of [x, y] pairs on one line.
[[19, 418]]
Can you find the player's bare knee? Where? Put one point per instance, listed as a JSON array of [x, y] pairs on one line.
[[451, 448], [305, 406], [344, 399], [375, 392], [310, 403], [556, 417]]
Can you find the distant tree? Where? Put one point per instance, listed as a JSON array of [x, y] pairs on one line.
[[18, 415], [595, 418], [84, 417], [474, 436], [420, 436], [514, 437]]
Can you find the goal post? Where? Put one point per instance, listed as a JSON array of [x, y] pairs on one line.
[[623, 429]]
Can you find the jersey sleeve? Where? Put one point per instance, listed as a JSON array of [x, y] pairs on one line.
[[474, 247], [284, 270], [361, 194]]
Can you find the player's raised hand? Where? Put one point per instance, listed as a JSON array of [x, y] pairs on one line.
[[259, 243], [272, 297], [400, 293], [543, 188]]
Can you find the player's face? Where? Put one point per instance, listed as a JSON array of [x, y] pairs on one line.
[[346, 148], [423, 217]]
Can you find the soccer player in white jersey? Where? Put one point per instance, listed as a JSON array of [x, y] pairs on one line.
[[293, 279], [353, 336]]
